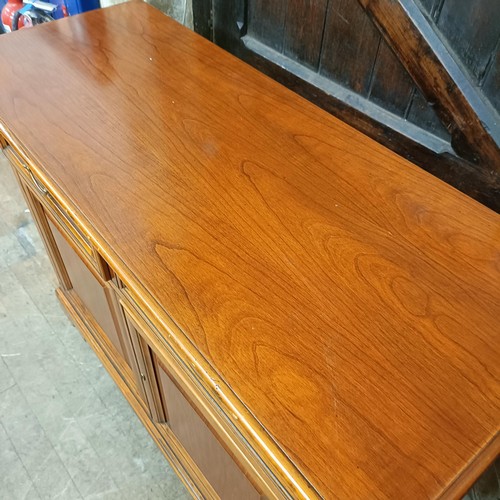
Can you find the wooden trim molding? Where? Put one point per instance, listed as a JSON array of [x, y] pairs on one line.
[[473, 470]]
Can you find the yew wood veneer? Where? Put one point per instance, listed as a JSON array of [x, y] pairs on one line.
[[325, 313]]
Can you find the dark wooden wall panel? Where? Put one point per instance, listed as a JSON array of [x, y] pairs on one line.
[[431, 7], [350, 46], [392, 87], [202, 18], [421, 113], [472, 28], [304, 26], [491, 85], [266, 22]]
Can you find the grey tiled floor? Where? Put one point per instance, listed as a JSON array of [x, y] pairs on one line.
[[66, 431]]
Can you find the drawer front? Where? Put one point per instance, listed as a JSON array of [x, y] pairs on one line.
[[61, 217]]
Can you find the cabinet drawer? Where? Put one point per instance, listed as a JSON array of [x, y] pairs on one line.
[[63, 219]]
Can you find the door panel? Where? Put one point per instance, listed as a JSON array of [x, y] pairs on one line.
[[88, 288], [205, 450]]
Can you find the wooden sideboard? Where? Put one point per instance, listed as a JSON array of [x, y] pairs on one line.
[[292, 310]]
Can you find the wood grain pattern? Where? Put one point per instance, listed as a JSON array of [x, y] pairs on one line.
[[349, 299], [266, 21], [350, 47], [304, 26], [191, 377], [392, 87]]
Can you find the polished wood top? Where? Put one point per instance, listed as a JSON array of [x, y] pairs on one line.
[[349, 299]]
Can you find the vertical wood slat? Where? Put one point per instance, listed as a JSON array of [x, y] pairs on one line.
[[472, 28], [304, 25], [266, 22], [202, 18], [226, 14], [422, 114], [392, 87], [350, 46]]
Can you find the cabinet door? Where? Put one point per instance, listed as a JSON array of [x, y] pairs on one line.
[[84, 278], [172, 407], [100, 305], [76, 266], [198, 440], [89, 288]]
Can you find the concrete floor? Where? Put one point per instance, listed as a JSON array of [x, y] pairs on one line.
[[66, 431]]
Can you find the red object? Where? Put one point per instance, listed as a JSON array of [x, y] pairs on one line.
[[8, 11]]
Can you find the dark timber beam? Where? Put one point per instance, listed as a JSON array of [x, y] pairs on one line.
[[473, 123], [202, 18]]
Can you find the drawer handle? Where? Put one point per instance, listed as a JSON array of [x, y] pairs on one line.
[[45, 192], [36, 182], [10, 150]]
